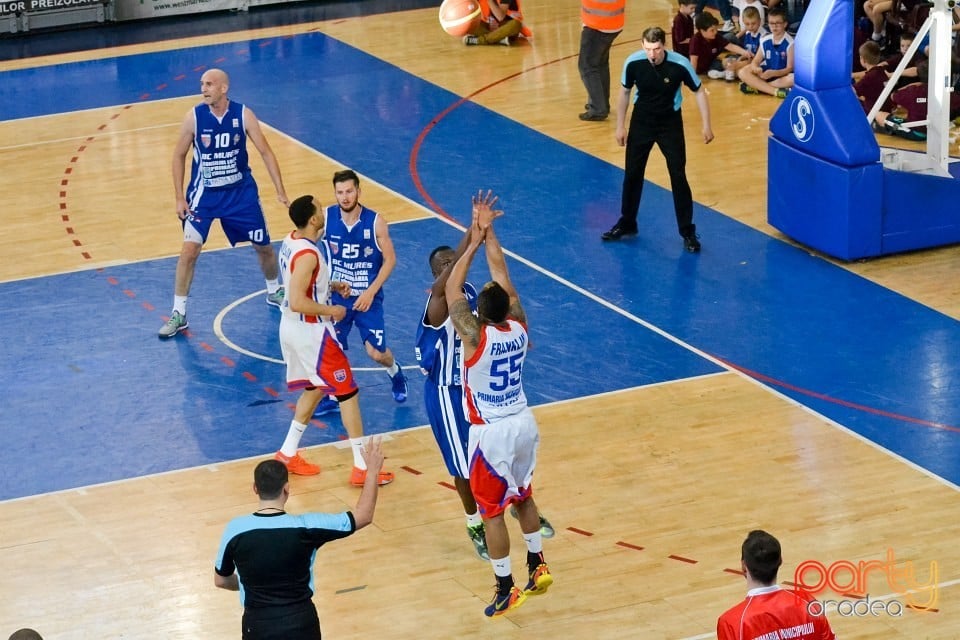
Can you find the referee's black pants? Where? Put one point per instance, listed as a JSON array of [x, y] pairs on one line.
[[297, 621], [668, 135]]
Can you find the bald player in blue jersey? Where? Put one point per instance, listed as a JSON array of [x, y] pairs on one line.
[[221, 187]]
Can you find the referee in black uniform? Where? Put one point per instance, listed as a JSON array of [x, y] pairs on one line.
[[268, 555], [658, 75]]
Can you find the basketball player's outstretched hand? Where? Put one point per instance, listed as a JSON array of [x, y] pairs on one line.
[[483, 208]]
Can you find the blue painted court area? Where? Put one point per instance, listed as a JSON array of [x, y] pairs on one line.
[[102, 395], [126, 404]]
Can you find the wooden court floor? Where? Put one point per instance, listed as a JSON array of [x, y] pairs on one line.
[[651, 489]]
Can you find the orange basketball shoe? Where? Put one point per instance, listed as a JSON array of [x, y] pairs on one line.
[[297, 465], [359, 476]]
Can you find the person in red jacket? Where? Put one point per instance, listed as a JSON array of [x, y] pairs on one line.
[[770, 611]]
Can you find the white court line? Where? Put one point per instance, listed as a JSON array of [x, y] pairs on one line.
[[218, 330], [215, 466], [122, 105], [99, 134], [832, 607]]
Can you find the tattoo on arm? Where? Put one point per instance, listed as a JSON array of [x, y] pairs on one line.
[[516, 311], [467, 324]]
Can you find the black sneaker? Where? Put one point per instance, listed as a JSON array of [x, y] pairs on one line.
[[618, 231], [586, 116], [691, 243]]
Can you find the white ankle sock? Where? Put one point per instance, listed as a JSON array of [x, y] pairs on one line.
[[292, 440], [357, 444], [534, 542], [180, 304], [501, 566]]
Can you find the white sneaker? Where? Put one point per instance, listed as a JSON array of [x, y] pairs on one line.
[[173, 326], [728, 26], [715, 74], [275, 299]]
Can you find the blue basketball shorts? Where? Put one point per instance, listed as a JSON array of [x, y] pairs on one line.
[[444, 405], [239, 211], [369, 323]]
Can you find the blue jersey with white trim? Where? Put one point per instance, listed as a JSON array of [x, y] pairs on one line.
[[355, 255], [439, 350], [751, 41], [219, 151], [775, 53]]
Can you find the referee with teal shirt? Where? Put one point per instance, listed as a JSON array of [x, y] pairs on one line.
[[658, 75], [268, 555]]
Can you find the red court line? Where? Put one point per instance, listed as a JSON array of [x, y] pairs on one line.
[[843, 403], [580, 531], [630, 546], [418, 143], [682, 559]]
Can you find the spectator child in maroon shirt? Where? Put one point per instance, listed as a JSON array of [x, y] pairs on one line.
[[683, 29]]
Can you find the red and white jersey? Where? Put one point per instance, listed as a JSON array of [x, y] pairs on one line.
[[491, 377], [318, 289], [772, 613]]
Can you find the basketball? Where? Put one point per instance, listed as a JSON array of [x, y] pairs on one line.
[[459, 17]]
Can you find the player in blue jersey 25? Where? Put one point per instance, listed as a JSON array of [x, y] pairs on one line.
[[362, 255], [221, 187]]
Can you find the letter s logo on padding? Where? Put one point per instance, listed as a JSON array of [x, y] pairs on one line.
[[801, 119]]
